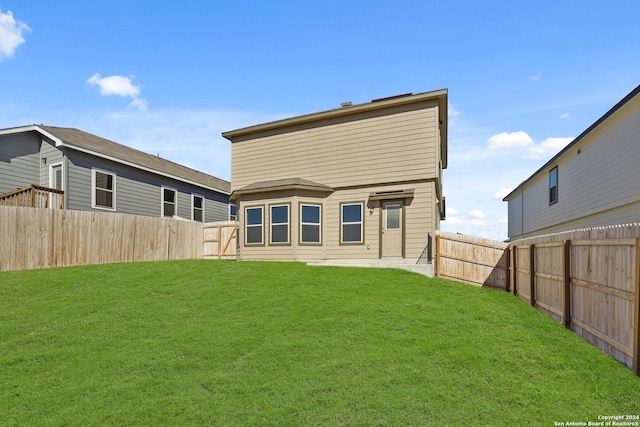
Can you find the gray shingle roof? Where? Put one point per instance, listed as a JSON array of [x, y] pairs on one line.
[[88, 142]]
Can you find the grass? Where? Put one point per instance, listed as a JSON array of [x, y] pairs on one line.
[[244, 343]]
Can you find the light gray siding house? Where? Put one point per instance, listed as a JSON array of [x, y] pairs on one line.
[[98, 174], [594, 181]]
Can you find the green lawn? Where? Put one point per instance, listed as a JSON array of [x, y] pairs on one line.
[[249, 343]]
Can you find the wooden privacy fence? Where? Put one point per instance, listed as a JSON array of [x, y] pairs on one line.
[[589, 280], [40, 238], [471, 260]]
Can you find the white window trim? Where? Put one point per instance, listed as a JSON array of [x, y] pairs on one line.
[[193, 207], [51, 174], [319, 224], [288, 224], [361, 222], [93, 189], [175, 203], [246, 225]]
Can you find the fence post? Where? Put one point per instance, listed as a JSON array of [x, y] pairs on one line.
[[636, 309], [566, 278], [532, 273], [507, 277], [515, 270], [437, 255]]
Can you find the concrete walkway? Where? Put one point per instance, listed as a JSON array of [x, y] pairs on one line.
[[401, 263]]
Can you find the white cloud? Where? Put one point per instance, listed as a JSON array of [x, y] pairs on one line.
[[120, 86], [11, 34], [535, 77], [564, 116], [521, 140], [451, 211], [548, 148], [502, 193], [475, 213], [453, 111], [509, 140]]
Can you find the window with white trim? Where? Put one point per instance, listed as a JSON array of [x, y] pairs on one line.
[[254, 220], [279, 217], [351, 221], [197, 208], [169, 202], [103, 192], [310, 218]]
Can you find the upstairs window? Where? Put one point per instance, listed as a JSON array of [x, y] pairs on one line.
[[197, 208], [351, 223], [279, 224], [104, 190], [553, 185], [169, 202]]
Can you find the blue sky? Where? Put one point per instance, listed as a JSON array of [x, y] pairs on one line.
[[168, 77]]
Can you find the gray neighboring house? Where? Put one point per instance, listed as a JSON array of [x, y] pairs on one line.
[[102, 175], [594, 181]]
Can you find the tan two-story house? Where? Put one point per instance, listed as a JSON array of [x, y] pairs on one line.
[[360, 183]]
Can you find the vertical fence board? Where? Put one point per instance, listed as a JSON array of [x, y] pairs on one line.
[[590, 281], [472, 260], [39, 238]]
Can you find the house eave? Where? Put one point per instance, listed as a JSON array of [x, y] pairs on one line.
[[573, 143], [60, 143], [439, 95]]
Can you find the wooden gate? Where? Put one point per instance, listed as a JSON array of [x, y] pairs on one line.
[[220, 240]]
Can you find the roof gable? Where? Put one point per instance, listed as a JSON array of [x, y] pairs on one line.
[[76, 139]]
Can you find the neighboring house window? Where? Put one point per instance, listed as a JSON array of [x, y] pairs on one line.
[[55, 177], [553, 185], [310, 223], [254, 218], [279, 215], [169, 201], [104, 190], [232, 211], [197, 208], [351, 223]]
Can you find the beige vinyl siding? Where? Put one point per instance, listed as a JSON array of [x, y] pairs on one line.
[[596, 186], [419, 222], [346, 151]]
